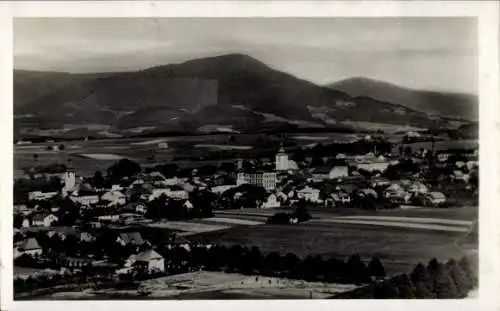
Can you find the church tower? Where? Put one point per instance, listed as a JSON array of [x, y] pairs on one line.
[[69, 179], [281, 159]]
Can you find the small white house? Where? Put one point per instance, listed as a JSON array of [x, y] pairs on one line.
[[309, 194], [338, 171], [115, 197], [271, 201], [39, 195], [43, 220], [434, 198], [149, 260], [188, 205]]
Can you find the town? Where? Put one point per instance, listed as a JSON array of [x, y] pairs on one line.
[[132, 224]]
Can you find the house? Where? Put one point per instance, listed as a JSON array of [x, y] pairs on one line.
[[108, 218], [43, 220], [115, 197], [367, 192], [135, 207], [188, 205], [443, 157], [26, 223], [434, 198], [271, 201], [418, 188], [340, 196], [86, 237], [149, 261], [130, 238], [30, 247], [460, 176], [338, 171], [398, 196], [87, 199], [178, 194], [221, 189], [267, 180], [379, 182], [40, 196], [320, 173], [73, 263], [309, 194]]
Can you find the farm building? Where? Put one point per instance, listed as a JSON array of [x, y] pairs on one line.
[[43, 220]]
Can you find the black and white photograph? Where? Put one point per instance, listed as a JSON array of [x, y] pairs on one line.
[[229, 158]]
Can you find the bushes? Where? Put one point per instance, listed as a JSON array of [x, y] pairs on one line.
[[300, 215], [443, 281]]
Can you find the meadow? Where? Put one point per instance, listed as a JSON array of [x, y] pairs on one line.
[[399, 249]]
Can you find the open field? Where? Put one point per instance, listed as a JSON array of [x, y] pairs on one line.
[[395, 224], [400, 249], [216, 285], [456, 213]]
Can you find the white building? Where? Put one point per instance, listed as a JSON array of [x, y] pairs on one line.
[[40, 196], [85, 199], [148, 260], [221, 189], [339, 172], [263, 179], [309, 194], [69, 179], [115, 197], [271, 201], [178, 194], [282, 160], [434, 198], [43, 220]]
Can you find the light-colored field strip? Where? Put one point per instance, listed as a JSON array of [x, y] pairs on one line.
[[395, 224], [234, 221], [223, 147], [148, 142], [413, 220], [188, 226], [102, 156]]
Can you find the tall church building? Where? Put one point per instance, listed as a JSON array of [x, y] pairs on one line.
[[282, 160], [69, 180]]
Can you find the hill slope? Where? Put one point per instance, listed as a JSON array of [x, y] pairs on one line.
[[451, 105], [233, 90]]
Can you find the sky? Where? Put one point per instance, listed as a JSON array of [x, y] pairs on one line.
[[422, 53]]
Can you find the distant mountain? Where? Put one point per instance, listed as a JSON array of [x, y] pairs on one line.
[[442, 104], [231, 91]]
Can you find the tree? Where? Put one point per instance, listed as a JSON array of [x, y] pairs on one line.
[[357, 271], [444, 286], [462, 284], [291, 263], [123, 168], [470, 274], [61, 147], [255, 258], [18, 221], [385, 290], [98, 180], [405, 287], [302, 214], [272, 263], [433, 267], [376, 268]]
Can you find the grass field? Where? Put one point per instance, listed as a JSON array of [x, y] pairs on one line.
[[400, 249]]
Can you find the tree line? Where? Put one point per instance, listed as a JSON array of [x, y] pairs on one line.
[[450, 280], [250, 261]]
